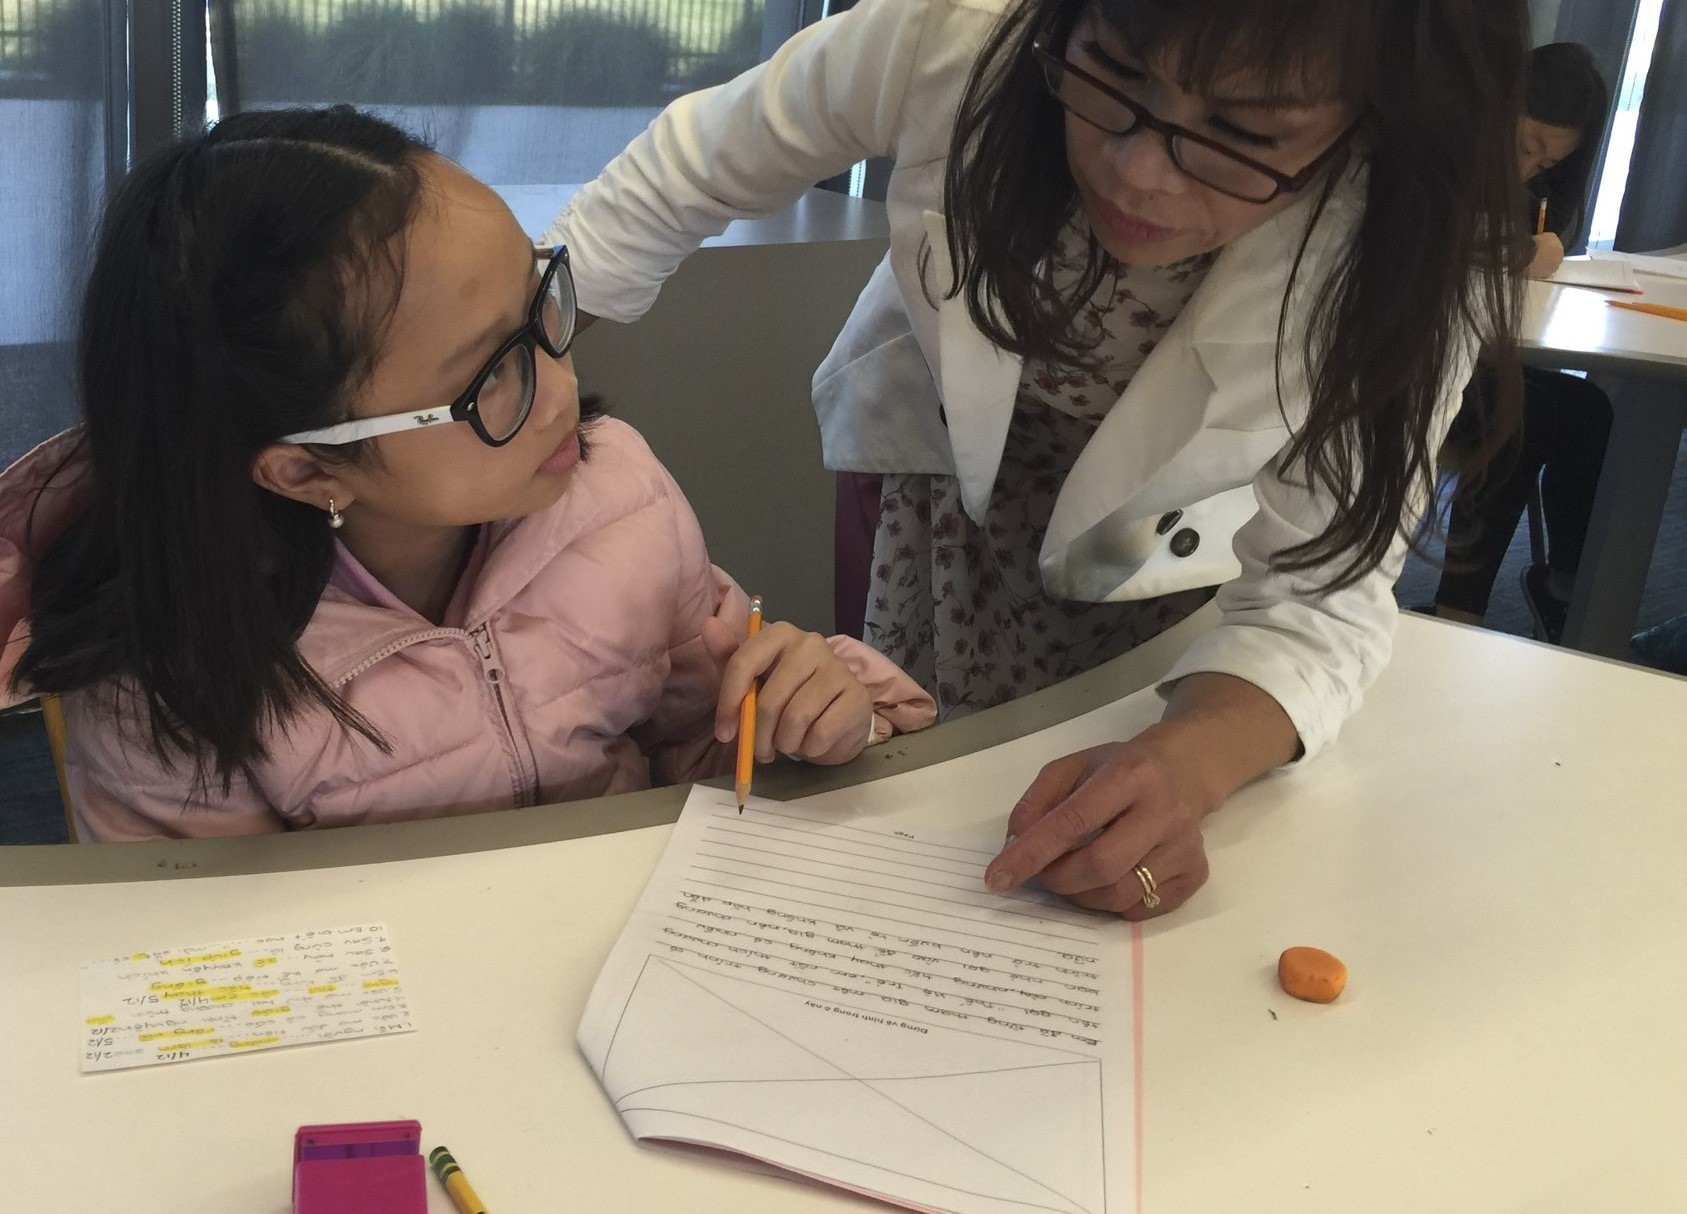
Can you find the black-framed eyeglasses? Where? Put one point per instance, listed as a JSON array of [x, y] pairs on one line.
[[500, 396], [1204, 160]]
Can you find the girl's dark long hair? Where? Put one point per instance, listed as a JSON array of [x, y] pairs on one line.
[[237, 295], [1566, 90], [1437, 85]]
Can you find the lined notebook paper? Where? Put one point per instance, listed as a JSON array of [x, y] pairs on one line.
[[1601, 273], [842, 999], [1663, 267]]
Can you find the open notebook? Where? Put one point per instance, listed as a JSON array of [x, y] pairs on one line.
[[839, 997], [1601, 273], [1674, 266]]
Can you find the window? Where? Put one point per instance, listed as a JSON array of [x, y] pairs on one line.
[[520, 92], [1628, 95], [54, 134]]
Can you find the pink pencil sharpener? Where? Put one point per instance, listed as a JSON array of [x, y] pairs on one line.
[[369, 1167]]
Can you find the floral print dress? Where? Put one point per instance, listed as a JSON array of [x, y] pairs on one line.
[[961, 607]]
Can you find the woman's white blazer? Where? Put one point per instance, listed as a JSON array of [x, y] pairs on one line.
[[911, 385]]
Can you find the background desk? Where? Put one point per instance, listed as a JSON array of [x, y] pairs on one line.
[[1567, 327], [1495, 849]]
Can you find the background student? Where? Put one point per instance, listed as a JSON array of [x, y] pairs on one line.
[[1566, 418]]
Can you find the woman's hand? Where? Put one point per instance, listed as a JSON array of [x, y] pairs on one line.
[[810, 706], [1549, 255], [1088, 822]]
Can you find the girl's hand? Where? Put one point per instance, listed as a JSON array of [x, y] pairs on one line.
[[810, 706], [1088, 821], [1549, 255]]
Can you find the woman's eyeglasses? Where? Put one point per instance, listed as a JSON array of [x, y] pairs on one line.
[[1197, 157], [500, 396]]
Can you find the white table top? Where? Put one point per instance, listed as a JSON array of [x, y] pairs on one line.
[[1577, 328], [1494, 849]]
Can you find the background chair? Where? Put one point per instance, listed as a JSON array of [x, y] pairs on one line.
[[34, 807], [52, 716]]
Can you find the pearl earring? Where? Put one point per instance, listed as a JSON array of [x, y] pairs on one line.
[[336, 520]]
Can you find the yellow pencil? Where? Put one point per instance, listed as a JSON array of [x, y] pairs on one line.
[[1650, 309], [747, 723], [456, 1184], [1540, 219]]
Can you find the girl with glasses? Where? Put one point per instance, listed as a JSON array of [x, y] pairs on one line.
[[339, 542], [1180, 293]]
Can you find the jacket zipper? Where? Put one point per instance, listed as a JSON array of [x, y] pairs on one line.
[[526, 771], [387, 651]]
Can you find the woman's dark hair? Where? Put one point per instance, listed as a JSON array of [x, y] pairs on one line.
[[1437, 85], [238, 293], [1566, 90]]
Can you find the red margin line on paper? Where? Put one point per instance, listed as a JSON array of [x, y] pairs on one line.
[[1137, 1000]]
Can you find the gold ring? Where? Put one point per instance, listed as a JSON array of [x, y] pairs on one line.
[[1150, 899]]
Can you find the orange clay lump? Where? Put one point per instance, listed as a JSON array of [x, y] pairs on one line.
[[1311, 974]]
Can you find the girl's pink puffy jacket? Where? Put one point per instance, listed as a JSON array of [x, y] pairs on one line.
[[570, 666]]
